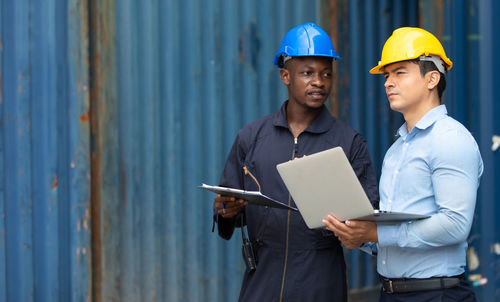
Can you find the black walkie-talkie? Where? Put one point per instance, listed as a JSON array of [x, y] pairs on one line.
[[247, 250]]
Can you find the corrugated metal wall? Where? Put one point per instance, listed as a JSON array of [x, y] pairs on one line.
[[472, 31], [117, 110], [181, 80], [44, 151], [487, 98]]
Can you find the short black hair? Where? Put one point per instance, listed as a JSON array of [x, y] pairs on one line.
[[281, 61], [425, 67]]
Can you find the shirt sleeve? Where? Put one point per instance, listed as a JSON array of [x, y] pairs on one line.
[[362, 165], [455, 165], [370, 248]]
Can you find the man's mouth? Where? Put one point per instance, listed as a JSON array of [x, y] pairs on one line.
[[316, 94]]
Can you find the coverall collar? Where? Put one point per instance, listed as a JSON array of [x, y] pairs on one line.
[[321, 124]]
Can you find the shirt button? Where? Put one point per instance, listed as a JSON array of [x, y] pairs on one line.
[[396, 172], [390, 200], [383, 262]]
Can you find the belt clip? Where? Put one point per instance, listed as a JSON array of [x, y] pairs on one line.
[[390, 290]]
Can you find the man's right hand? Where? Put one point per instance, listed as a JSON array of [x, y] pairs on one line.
[[352, 233], [228, 206]]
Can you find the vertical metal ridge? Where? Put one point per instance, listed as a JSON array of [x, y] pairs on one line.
[[210, 58], [78, 157], [486, 95], [127, 63], [192, 115], [3, 228], [104, 164], [333, 15], [95, 192], [45, 175], [171, 92], [16, 115]]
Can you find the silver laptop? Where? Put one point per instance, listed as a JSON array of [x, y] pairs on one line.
[[324, 183]]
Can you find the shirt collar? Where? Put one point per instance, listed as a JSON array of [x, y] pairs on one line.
[[322, 123], [427, 120]]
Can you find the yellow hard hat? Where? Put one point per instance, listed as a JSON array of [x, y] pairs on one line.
[[409, 43]]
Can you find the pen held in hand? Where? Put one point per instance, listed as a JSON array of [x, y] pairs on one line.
[[223, 208]]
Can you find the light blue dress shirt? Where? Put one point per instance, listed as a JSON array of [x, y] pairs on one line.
[[432, 170]]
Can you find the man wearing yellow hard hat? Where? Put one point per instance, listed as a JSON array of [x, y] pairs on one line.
[[433, 168]]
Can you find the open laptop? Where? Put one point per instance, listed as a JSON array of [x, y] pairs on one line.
[[324, 183]]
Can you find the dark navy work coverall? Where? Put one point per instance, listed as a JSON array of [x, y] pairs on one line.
[[294, 262]]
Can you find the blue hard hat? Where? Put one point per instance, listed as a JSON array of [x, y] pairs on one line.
[[305, 40]]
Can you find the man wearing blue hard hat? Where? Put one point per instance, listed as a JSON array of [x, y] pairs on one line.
[[291, 262]]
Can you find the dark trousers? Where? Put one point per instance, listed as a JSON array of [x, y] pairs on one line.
[[462, 292]]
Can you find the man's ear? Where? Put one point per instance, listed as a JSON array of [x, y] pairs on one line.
[[285, 76], [433, 78]]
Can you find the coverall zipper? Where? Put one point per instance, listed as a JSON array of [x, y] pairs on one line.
[[295, 141]]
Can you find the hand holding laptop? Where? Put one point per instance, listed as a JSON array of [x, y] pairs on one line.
[[352, 233]]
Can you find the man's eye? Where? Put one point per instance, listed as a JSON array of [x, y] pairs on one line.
[[306, 73], [327, 74]]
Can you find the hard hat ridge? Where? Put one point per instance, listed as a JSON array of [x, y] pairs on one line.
[[305, 40]]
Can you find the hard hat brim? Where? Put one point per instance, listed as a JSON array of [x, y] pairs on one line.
[[377, 69], [380, 67]]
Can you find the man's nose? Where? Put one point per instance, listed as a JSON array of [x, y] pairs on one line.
[[388, 82], [318, 80]]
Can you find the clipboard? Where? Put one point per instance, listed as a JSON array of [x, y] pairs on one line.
[[253, 197]]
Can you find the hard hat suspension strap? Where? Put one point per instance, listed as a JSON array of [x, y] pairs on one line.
[[436, 60]]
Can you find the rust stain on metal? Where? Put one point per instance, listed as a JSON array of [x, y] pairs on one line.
[[84, 117], [20, 87], [440, 7], [86, 224], [249, 45], [102, 34], [55, 182], [77, 255], [123, 182], [334, 16]]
